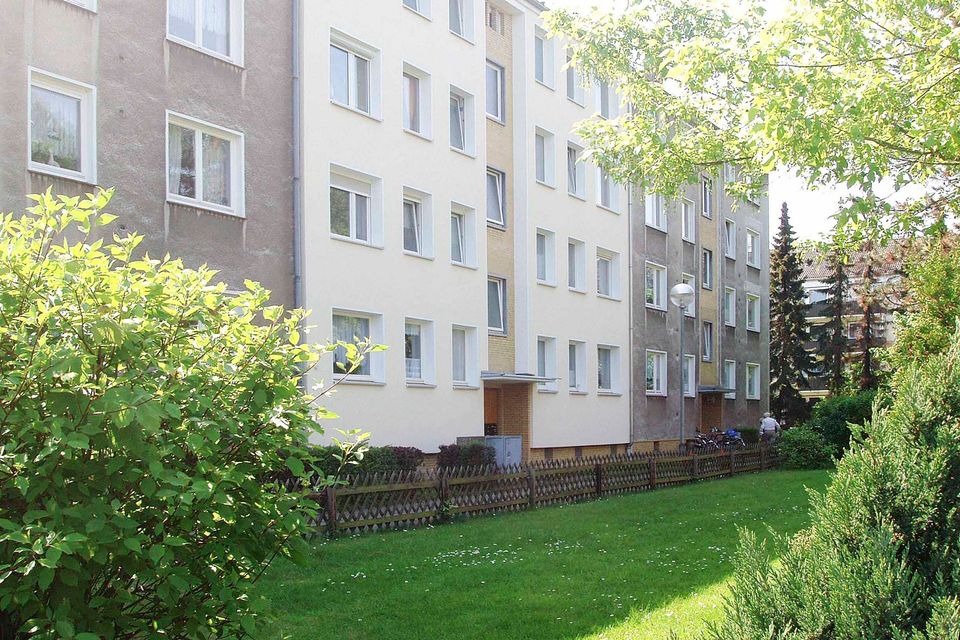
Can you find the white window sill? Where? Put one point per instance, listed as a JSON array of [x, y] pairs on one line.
[[708, 216], [352, 109], [582, 292], [463, 37], [497, 333], [691, 316], [690, 395], [547, 391], [753, 266], [414, 254], [654, 307], [90, 10], [546, 283], [463, 386], [207, 52], [418, 134], [362, 381], [732, 326], [726, 397], [499, 226], [462, 265], [420, 384], [610, 298], [578, 196], [754, 399], [544, 85], [707, 287], [690, 240], [656, 228], [543, 183], [66, 174], [464, 152], [362, 243], [608, 393], [501, 121], [707, 359], [729, 257], [578, 392], [203, 206], [606, 208], [656, 394], [576, 102], [757, 330], [417, 13]]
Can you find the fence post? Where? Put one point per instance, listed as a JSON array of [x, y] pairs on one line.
[[331, 492], [733, 461], [531, 488], [696, 467], [652, 462], [598, 479], [443, 492], [763, 457]]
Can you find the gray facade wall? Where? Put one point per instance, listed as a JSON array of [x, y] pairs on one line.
[[122, 49]]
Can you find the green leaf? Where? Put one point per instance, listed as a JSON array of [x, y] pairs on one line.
[[295, 465], [133, 544], [77, 440]]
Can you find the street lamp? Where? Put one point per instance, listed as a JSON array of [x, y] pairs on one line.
[[682, 295]]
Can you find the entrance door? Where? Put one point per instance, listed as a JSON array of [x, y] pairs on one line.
[[491, 412]]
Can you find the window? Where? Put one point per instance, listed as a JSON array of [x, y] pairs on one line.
[[707, 342], [730, 306], [420, 6], [608, 368], [354, 206], [575, 90], [462, 122], [416, 100], [730, 239], [457, 238], [204, 165], [653, 208], [576, 265], [730, 378], [497, 305], [729, 173], [349, 79], [461, 18], [656, 373], [496, 197], [544, 159], [691, 310], [496, 92], [608, 274], [689, 221], [213, 26], [576, 172], [86, 4], [609, 195], [543, 68], [753, 381], [606, 100], [464, 357], [463, 235], [412, 226], [418, 351], [547, 362], [349, 327], [753, 312], [656, 286], [496, 20], [853, 330], [546, 257], [576, 364], [706, 269], [753, 248], [62, 120], [706, 193], [689, 375]]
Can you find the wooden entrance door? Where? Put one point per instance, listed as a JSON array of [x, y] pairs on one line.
[[491, 411]]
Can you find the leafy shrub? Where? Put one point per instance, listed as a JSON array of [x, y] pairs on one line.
[[326, 460], [804, 448], [475, 454], [832, 417], [881, 558], [144, 413], [750, 435]]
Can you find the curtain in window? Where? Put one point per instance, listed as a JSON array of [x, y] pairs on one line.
[[456, 238], [216, 170], [572, 266], [182, 169], [216, 26], [686, 374], [459, 355], [603, 276], [361, 216], [457, 122], [362, 73], [651, 373], [412, 349], [603, 369], [181, 19], [411, 102], [456, 16], [411, 226], [572, 365], [349, 329], [54, 129], [541, 257], [651, 286]]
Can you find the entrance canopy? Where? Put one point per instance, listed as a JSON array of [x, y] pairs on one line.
[[508, 377]]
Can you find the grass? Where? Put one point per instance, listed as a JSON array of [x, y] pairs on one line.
[[630, 567]]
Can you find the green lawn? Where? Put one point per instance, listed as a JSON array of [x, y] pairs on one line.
[[631, 567]]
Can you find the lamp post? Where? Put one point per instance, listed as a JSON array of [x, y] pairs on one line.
[[682, 295]]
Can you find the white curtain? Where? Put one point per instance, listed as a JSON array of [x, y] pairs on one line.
[[216, 26], [413, 352], [182, 19], [54, 129], [411, 226], [182, 169], [459, 355], [216, 170], [349, 329]]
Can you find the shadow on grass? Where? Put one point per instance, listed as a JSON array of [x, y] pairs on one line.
[[561, 572]]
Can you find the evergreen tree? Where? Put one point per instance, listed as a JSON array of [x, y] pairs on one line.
[[833, 340], [867, 295], [789, 359]]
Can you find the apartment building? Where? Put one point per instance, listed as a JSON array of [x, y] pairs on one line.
[[165, 101]]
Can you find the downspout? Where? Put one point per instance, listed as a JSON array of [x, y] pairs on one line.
[[298, 298], [630, 299]]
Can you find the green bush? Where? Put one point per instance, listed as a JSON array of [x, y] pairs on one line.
[[469, 455], [144, 414], [326, 460], [804, 448], [833, 416], [881, 558]]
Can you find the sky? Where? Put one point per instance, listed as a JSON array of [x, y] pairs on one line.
[[810, 210]]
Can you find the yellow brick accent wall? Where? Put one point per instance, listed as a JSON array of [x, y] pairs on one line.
[[515, 401], [500, 254], [709, 299]]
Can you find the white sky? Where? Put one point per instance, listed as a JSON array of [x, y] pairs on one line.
[[810, 210]]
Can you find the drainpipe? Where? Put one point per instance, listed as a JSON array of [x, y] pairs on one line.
[[630, 314], [298, 299]]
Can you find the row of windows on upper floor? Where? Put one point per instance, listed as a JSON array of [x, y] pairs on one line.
[[657, 384]]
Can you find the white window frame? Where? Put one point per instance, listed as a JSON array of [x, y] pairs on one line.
[[753, 241], [605, 180], [689, 376], [614, 271], [853, 330], [348, 180], [753, 324], [422, 7], [501, 115], [574, 89], [659, 300], [707, 339], [236, 33], [729, 310], [659, 382], [89, 5], [237, 168], [425, 232], [358, 49], [466, 19], [495, 19], [614, 388], [730, 379], [580, 265], [655, 214], [690, 279], [605, 92], [86, 94], [502, 295], [546, 346], [471, 358], [706, 269], [688, 221], [547, 62], [424, 123], [545, 158], [374, 360], [501, 179], [730, 239], [428, 365], [579, 182], [549, 257], [468, 121], [706, 196], [577, 367], [468, 231], [753, 394]]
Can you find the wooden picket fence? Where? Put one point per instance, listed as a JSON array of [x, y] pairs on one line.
[[380, 501]]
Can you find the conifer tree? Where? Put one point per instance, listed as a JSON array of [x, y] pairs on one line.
[[789, 359], [865, 341], [833, 340]]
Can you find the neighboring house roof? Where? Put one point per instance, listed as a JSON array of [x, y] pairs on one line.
[[817, 269]]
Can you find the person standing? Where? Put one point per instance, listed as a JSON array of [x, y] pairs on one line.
[[769, 428]]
